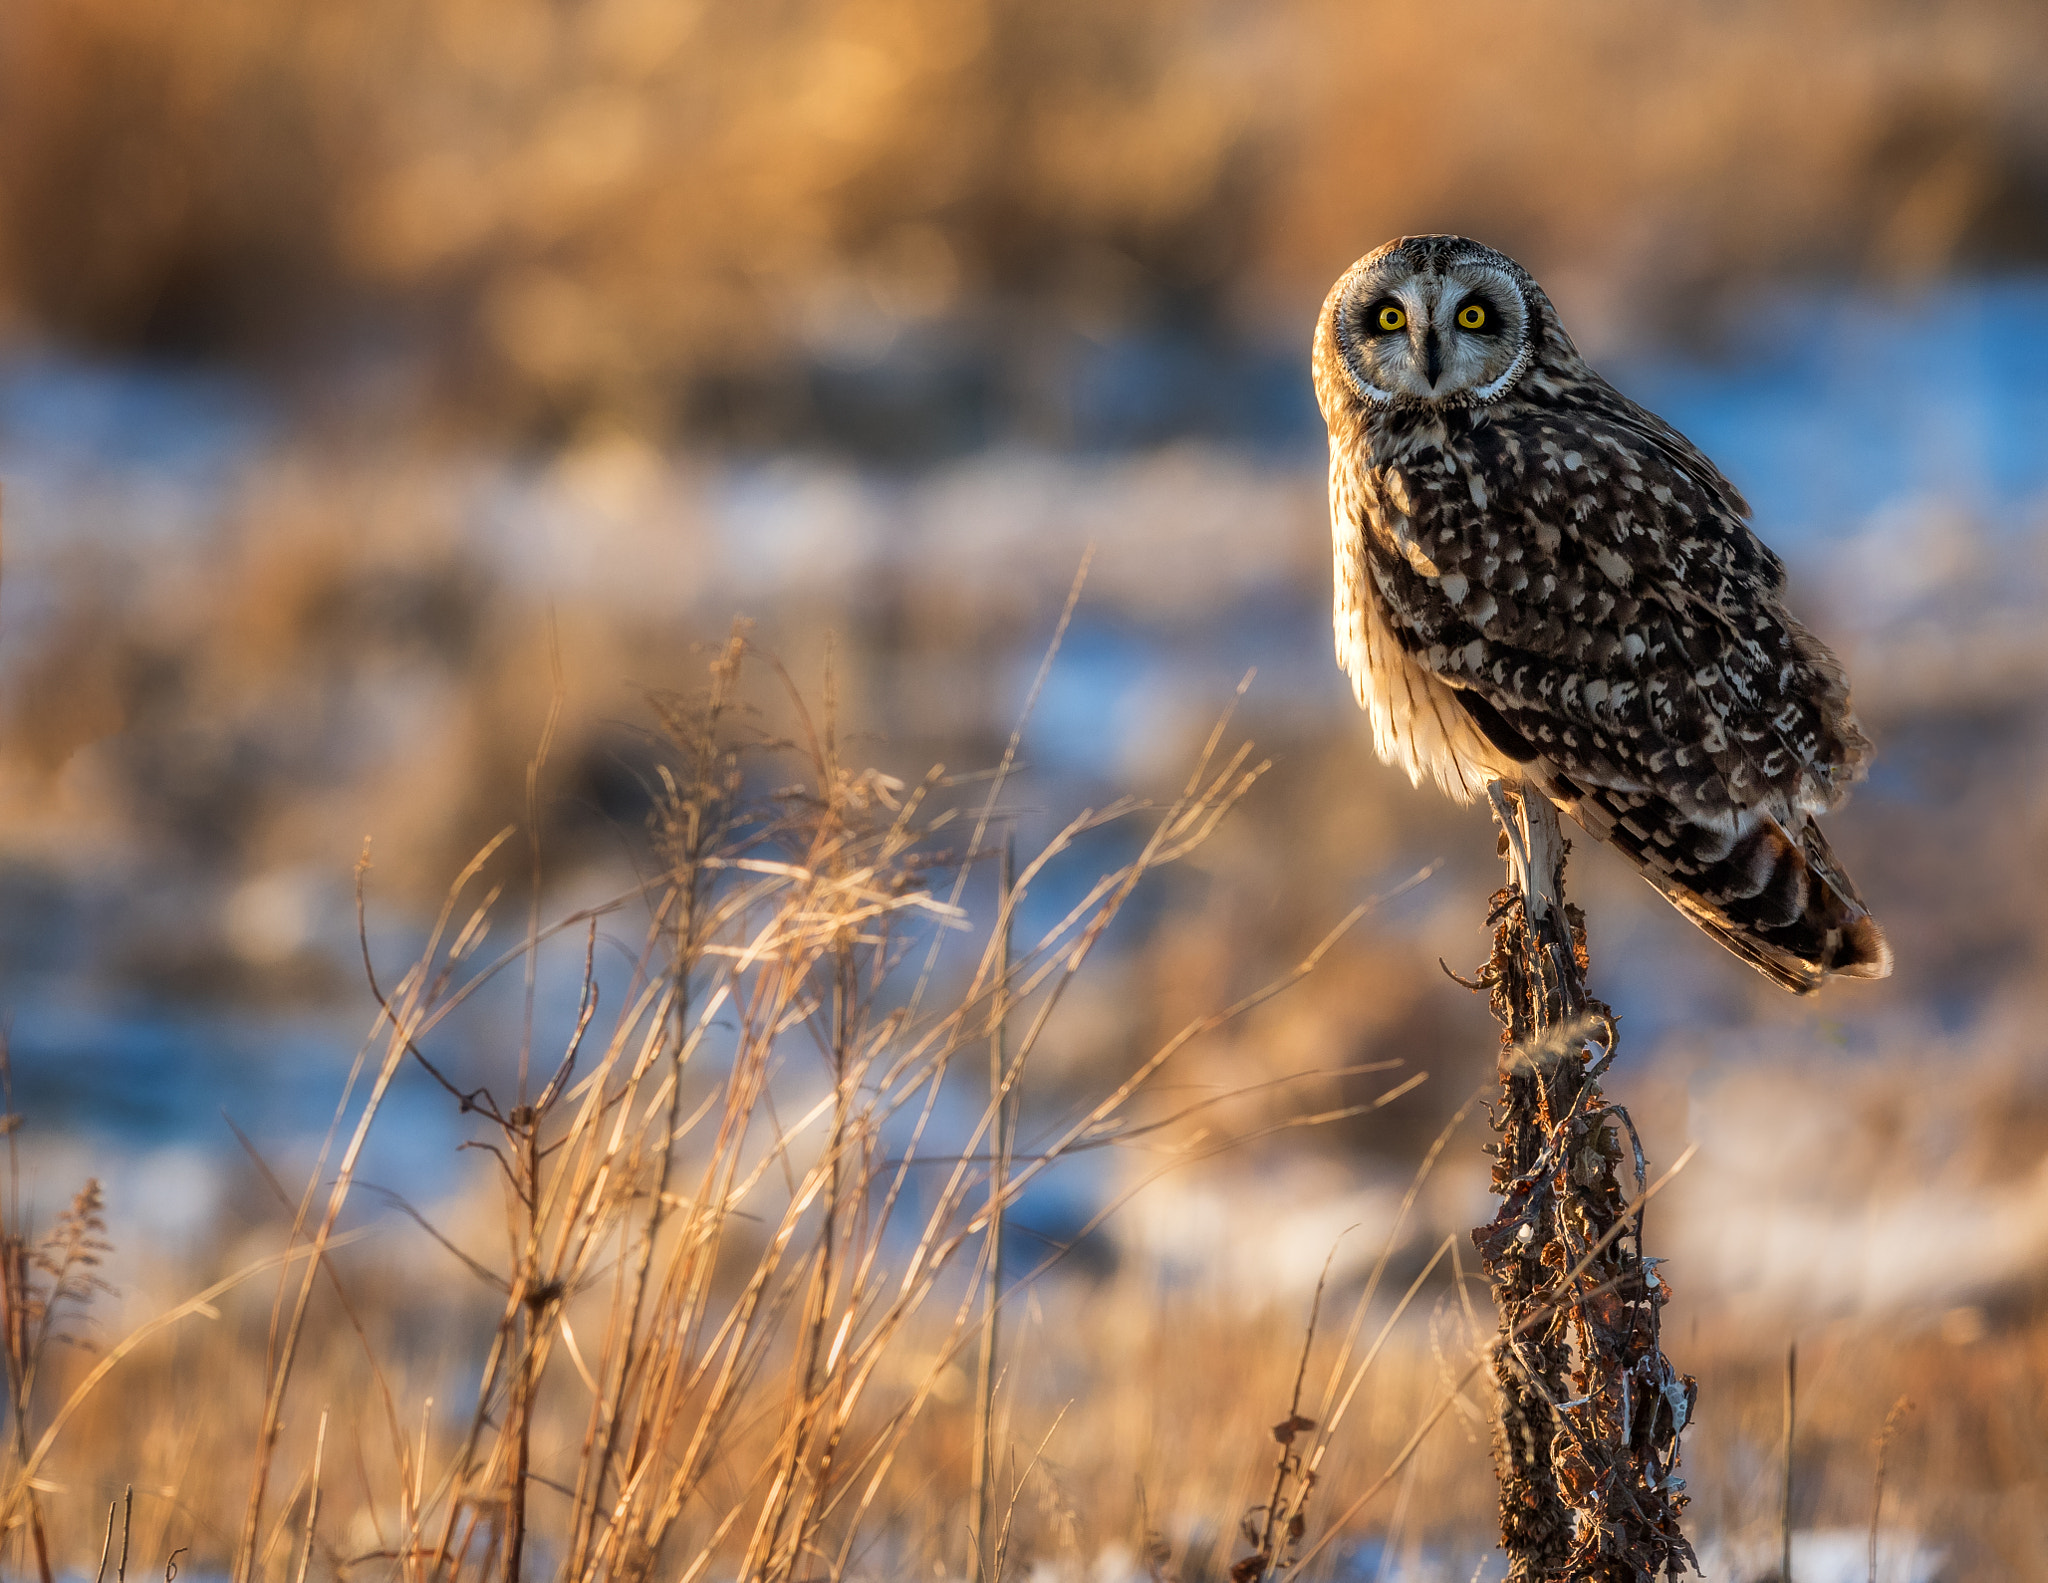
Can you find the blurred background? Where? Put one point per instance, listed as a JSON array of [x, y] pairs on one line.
[[369, 370]]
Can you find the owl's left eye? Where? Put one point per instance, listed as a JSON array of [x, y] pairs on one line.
[[1472, 316]]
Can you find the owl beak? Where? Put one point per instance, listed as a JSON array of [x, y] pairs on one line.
[[1432, 357]]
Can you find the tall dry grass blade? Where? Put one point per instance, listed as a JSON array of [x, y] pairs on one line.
[[558, 693], [1000, 779], [1017, 1488], [313, 1501], [415, 992], [1331, 1411], [1002, 1105], [107, 1544], [1785, 1490], [1884, 1445]]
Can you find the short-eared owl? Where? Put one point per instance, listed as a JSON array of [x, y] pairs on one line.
[[1538, 580]]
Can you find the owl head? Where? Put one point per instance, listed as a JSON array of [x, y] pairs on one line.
[[1433, 321]]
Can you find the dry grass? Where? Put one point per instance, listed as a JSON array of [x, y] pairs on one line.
[[739, 1263], [709, 1305], [1129, 1408], [711, 1318], [1155, 1381]]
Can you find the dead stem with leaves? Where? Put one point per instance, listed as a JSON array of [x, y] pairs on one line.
[[1589, 1410], [1275, 1529]]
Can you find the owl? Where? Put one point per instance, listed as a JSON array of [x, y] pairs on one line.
[[1539, 582]]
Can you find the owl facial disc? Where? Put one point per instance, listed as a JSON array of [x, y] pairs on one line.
[[1423, 322]]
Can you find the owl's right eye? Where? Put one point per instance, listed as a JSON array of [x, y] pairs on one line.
[[1391, 318]]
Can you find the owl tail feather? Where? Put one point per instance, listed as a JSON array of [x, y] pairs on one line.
[[1780, 903], [1805, 926], [1777, 900]]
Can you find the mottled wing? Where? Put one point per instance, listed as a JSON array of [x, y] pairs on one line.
[[1605, 596], [1588, 583]]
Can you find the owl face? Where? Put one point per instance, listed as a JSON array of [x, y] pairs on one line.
[[1430, 320]]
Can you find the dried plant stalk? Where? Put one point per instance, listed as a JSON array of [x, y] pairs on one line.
[[749, 1232], [716, 1189], [1589, 1409]]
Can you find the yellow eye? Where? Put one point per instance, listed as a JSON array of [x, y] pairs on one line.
[[1472, 316], [1392, 318]]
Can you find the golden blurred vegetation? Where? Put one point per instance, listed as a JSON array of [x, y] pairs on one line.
[[706, 1299], [615, 224], [655, 211]]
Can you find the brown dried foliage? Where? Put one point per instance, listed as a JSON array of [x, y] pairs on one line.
[[1589, 1408]]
